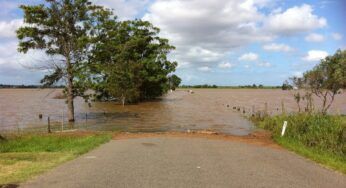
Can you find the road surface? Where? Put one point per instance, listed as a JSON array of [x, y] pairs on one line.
[[187, 162]]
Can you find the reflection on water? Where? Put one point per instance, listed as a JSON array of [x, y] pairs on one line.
[[177, 111]]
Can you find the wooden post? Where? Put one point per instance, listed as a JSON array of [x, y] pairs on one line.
[[265, 108], [49, 130], [18, 128], [86, 119], [283, 107], [62, 121]]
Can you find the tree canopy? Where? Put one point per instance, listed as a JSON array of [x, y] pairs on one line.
[[130, 63]]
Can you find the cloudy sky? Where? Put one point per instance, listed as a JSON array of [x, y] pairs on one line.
[[224, 42]]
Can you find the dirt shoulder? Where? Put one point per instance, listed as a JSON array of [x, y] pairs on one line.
[[259, 138]]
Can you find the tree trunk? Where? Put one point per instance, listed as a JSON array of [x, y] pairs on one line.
[[70, 106], [324, 110], [123, 99]]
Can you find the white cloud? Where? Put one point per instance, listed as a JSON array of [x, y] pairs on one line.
[[18, 68], [204, 69], [124, 9], [336, 36], [298, 74], [315, 55], [8, 28], [212, 28], [183, 64], [277, 47], [202, 54], [248, 57], [207, 32], [314, 37], [226, 65], [264, 64], [295, 20]]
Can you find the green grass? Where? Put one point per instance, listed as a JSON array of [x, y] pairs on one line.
[[22, 157], [317, 137]]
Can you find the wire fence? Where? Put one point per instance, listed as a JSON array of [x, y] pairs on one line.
[[52, 123]]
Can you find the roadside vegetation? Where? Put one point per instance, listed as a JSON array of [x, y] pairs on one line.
[[321, 138], [311, 131], [24, 156]]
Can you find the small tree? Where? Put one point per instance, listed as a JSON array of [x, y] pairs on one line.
[[328, 78], [286, 86], [325, 80], [174, 81]]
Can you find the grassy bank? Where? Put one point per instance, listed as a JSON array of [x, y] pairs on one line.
[[317, 137], [22, 157]]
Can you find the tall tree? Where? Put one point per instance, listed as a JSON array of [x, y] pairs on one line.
[[63, 29]]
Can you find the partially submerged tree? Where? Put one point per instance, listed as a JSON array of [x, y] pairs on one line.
[[130, 62], [325, 80], [62, 28], [174, 81], [328, 78]]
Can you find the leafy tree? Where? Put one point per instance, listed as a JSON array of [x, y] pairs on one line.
[[174, 81], [130, 62], [62, 28], [328, 78], [325, 80]]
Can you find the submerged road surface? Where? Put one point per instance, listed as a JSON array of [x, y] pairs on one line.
[[188, 162]]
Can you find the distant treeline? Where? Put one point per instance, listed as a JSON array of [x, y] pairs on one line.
[[26, 86], [254, 86]]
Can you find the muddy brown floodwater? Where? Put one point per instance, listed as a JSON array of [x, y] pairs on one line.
[[210, 109]]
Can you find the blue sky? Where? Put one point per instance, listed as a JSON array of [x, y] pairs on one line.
[[224, 42]]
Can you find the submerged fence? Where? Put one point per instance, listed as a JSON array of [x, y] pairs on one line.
[[53, 123]]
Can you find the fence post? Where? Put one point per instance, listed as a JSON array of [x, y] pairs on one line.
[[18, 131], [49, 130], [265, 108], [283, 107], [62, 121]]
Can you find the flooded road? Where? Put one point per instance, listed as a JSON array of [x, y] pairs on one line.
[[210, 109]]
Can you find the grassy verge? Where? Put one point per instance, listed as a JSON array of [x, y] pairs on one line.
[[22, 157], [317, 137]]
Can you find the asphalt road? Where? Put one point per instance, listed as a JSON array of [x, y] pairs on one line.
[[187, 162]]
